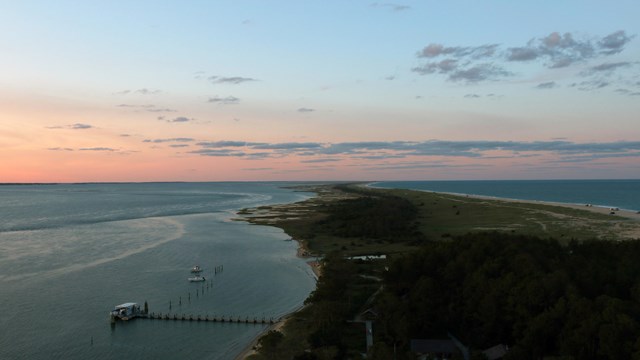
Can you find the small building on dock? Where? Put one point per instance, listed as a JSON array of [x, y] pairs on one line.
[[126, 311]]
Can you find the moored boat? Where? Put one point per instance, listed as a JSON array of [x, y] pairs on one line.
[[126, 311], [196, 278], [196, 269]]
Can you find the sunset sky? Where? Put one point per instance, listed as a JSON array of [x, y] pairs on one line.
[[318, 90]]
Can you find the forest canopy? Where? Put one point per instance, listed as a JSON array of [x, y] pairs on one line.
[[581, 301]]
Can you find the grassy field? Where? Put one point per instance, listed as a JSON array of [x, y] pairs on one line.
[[441, 216]]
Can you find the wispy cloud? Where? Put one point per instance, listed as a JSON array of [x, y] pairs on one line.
[[306, 110], [323, 160], [161, 110], [228, 100], [547, 85], [76, 126], [606, 68], [143, 91], [179, 119], [391, 6], [330, 152], [108, 149], [156, 141], [230, 79], [145, 106]]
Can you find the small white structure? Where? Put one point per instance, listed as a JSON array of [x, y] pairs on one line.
[[196, 278]]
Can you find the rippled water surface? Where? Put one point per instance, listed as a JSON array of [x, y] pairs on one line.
[[69, 253]]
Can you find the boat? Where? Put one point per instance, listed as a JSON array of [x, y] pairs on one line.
[[126, 311], [196, 278], [196, 269]]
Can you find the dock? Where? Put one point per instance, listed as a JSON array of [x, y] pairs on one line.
[[207, 318]]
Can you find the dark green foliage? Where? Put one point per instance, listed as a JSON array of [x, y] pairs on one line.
[[269, 344], [389, 218], [543, 299]]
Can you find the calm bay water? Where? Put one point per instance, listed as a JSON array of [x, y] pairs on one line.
[[624, 194], [69, 253]]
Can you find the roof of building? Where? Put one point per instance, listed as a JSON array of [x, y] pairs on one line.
[[496, 352]]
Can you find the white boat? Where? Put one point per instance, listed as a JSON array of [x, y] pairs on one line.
[[197, 278], [196, 269], [126, 311]]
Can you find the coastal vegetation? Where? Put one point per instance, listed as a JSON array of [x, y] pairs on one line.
[[547, 281]]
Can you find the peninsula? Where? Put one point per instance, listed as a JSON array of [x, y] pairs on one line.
[[401, 266]]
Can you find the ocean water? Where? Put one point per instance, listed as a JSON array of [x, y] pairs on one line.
[[623, 194], [70, 253]]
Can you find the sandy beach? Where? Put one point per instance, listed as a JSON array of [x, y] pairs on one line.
[[633, 233]]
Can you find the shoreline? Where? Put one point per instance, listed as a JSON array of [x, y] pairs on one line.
[[301, 252], [600, 209]]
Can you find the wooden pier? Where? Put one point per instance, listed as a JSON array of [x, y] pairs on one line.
[[207, 318]]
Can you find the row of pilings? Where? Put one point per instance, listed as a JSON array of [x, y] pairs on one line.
[[207, 318]]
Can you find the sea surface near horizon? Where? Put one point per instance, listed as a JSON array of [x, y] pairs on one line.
[[623, 194], [70, 253]]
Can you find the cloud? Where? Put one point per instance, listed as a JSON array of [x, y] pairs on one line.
[[162, 110], [590, 85], [229, 100], [606, 67], [178, 145], [324, 160], [547, 85], [156, 141], [473, 52], [59, 149], [76, 126], [614, 43], [221, 144], [478, 149], [391, 6], [289, 146], [179, 119], [98, 149], [559, 50], [562, 50], [218, 152], [473, 64], [147, 106], [462, 71], [478, 73], [229, 80], [145, 91], [306, 110], [472, 96], [441, 67]]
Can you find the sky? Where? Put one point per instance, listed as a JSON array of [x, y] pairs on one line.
[[241, 90]]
